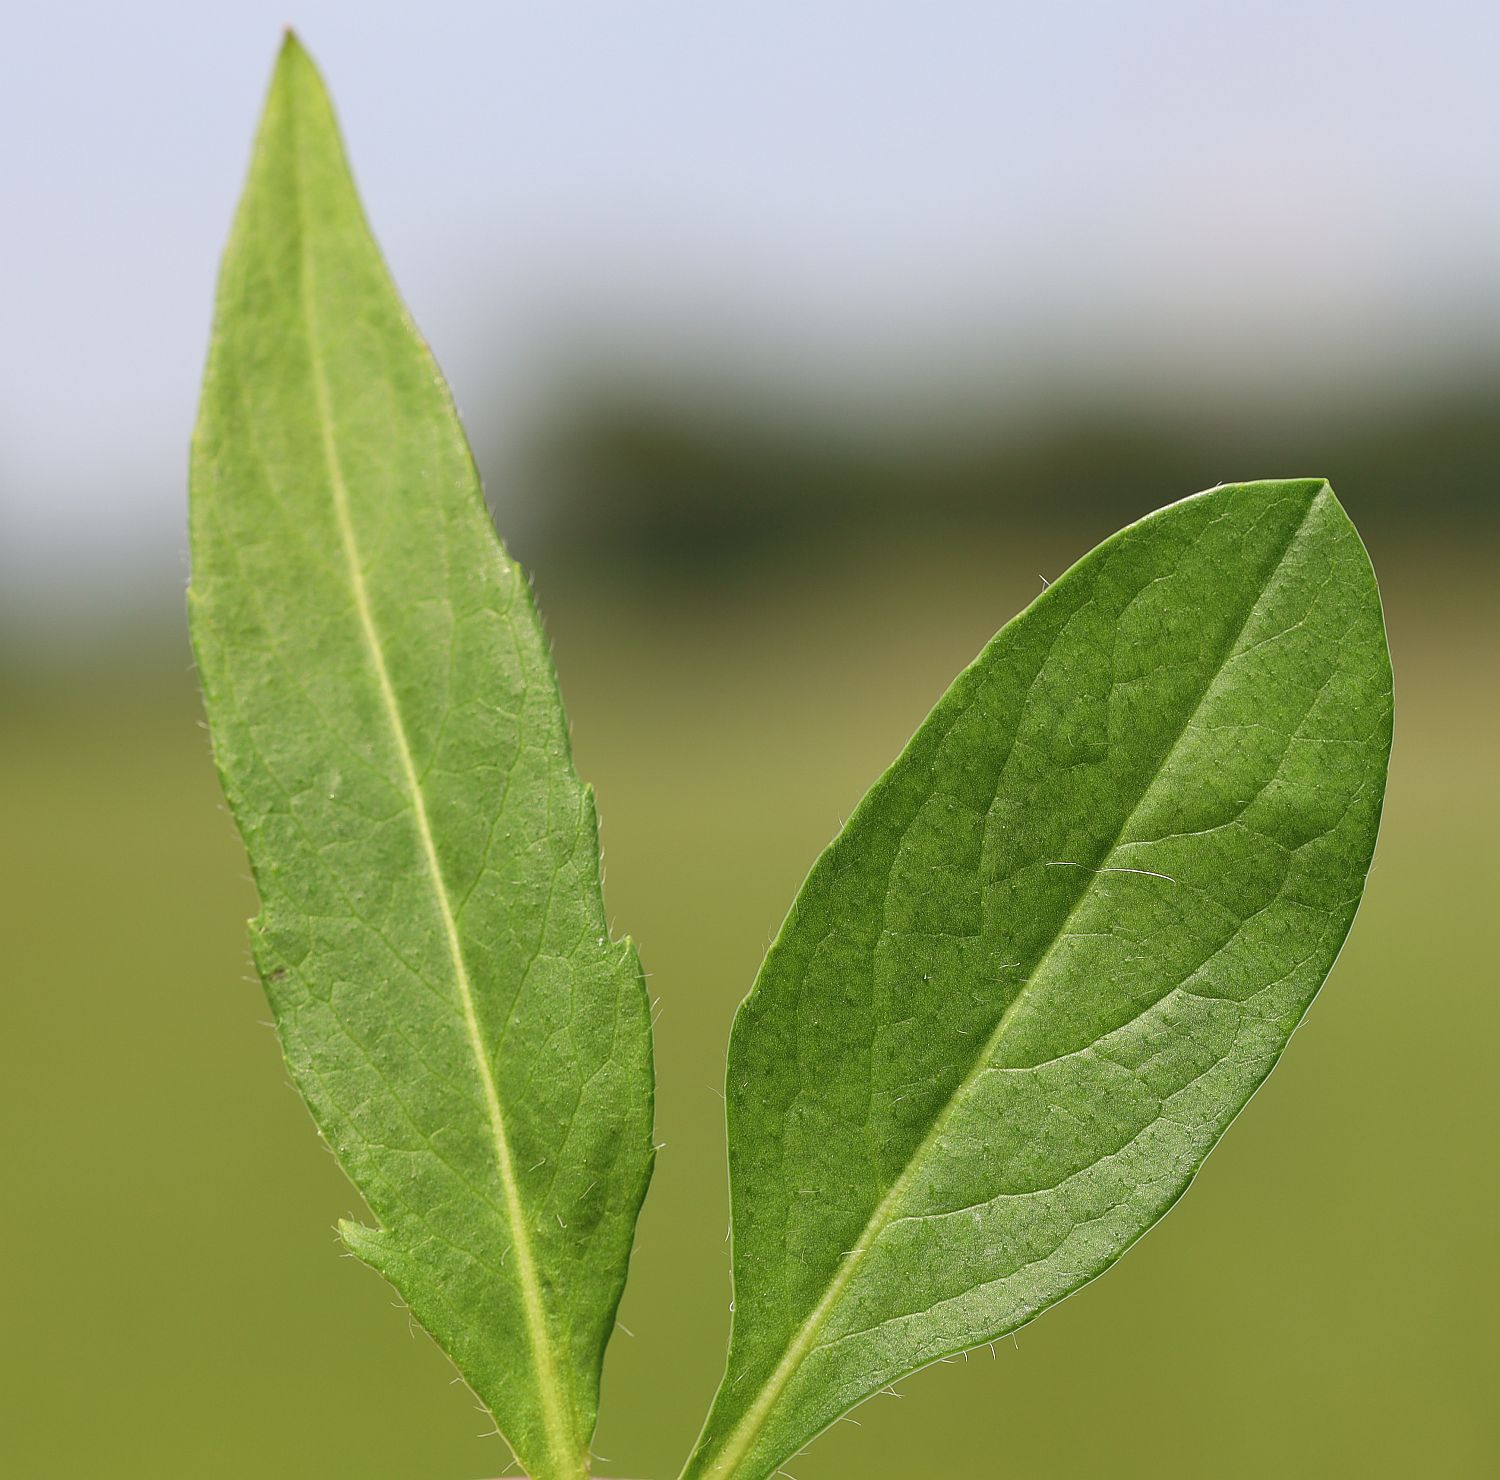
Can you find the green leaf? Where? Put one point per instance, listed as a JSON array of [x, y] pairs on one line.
[[387, 725], [1054, 951]]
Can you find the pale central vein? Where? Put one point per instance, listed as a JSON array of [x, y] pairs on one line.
[[553, 1405], [743, 1436]]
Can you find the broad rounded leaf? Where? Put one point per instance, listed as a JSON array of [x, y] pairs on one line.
[[388, 728], [1051, 955]]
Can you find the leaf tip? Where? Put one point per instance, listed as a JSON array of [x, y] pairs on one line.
[[294, 62]]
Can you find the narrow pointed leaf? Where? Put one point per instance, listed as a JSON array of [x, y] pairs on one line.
[[1051, 955], [390, 736]]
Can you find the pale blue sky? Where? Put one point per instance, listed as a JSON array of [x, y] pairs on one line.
[[859, 199]]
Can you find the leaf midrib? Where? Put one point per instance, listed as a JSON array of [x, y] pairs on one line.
[[554, 1405], [744, 1434]]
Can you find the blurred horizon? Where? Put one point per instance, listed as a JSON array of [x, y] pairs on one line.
[[693, 480], [798, 345]]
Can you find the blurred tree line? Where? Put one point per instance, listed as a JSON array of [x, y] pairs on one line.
[[696, 486]]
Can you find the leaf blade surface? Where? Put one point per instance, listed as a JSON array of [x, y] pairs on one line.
[[386, 722], [1051, 955]]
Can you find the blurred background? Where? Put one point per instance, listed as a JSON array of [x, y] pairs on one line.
[[799, 343]]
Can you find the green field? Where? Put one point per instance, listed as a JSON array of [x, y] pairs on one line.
[[1324, 1303]]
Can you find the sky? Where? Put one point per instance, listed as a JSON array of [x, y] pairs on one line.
[[853, 205]]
